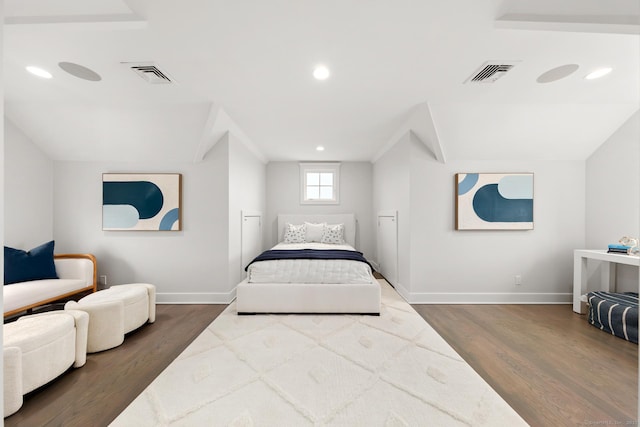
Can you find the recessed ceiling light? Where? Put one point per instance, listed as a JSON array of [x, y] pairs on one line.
[[321, 72], [37, 71], [600, 72], [319, 148]]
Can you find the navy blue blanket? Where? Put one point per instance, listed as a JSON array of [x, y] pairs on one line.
[[310, 254]]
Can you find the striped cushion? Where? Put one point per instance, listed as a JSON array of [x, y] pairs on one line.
[[615, 313]]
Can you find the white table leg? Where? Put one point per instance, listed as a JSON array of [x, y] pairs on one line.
[[579, 281]]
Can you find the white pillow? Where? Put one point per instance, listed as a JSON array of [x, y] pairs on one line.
[[333, 234], [295, 233], [314, 232]]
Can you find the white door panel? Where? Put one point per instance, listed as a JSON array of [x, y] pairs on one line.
[[251, 238], [388, 246]]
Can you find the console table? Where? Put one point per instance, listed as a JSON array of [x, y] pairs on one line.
[[608, 262]]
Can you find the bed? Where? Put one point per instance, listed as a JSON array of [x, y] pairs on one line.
[[615, 313], [306, 283]]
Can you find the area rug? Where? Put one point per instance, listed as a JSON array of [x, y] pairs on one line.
[[320, 370]]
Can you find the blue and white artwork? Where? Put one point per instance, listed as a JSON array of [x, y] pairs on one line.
[[141, 201], [494, 201]]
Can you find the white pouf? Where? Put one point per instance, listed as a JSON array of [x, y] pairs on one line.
[[38, 348], [116, 311]]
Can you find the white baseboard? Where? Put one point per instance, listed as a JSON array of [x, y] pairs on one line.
[[196, 298], [487, 298]]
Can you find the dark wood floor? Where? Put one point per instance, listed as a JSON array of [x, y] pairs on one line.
[[547, 362], [92, 396], [544, 360]]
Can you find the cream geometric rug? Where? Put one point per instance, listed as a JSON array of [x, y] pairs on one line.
[[320, 370]]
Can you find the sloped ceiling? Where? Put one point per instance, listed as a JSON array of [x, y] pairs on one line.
[[247, 65]]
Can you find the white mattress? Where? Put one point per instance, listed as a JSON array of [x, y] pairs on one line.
[[318, 271]]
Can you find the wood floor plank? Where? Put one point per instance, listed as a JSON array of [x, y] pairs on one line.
[[548, 363], [95, 394]]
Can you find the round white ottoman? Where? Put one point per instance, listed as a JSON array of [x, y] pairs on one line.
[[38, 348], [116, 311]]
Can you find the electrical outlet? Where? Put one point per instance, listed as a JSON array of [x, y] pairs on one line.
[[518, 279], [103, 280]]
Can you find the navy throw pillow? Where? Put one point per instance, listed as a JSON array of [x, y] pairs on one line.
[[36, 264]]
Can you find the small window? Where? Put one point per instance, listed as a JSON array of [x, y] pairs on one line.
[[319, 183]]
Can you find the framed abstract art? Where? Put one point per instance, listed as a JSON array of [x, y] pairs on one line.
[[494, 201], [136, 201]]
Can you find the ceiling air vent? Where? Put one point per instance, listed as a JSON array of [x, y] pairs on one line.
[[149, 72], [491, 71]]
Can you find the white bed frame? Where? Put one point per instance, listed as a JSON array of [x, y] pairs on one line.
[[364, 298]]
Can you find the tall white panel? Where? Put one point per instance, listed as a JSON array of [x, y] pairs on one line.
[[251, 238], [388, 245]]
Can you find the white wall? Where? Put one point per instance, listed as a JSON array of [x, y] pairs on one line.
[[283, 197], [186, 266], [479, 266], [28, 191], [247, 191], [391, 192], [449, 265], [612, 197]]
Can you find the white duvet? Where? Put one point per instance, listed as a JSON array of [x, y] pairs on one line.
[[309, 270]]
